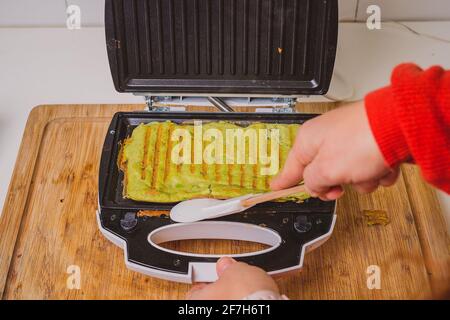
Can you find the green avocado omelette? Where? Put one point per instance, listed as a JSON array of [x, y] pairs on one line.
[[166, 162]]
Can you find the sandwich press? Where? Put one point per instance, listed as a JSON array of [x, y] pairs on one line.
[[265, 54]]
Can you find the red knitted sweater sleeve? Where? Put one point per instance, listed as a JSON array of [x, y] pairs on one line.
[[410, 121]]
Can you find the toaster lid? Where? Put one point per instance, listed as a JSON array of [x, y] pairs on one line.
[[231, 47]]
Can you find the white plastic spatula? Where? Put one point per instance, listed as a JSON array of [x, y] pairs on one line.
[[202, 209]]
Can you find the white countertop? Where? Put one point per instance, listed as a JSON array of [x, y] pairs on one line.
[[60, 66]]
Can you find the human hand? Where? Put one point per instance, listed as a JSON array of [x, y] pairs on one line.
[[335, 149], [236, 280]]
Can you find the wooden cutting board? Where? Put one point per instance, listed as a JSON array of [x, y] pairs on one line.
[[48, 226]]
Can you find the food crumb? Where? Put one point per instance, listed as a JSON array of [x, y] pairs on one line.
[[150, 213], [376, 217]]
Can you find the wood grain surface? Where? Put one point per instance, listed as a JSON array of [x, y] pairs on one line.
[[48, 224]]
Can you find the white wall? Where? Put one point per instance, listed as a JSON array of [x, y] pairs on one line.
[[397, 10], [407, 10], [48, 13], [347, 9], [45, 13]]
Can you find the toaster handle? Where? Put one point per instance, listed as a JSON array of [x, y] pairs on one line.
[[202, 267], [144, 252], [203, 272]]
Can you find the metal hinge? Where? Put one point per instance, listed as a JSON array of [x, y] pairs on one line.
[[289, 105], [161, 104], [224, 104], [281, 105]]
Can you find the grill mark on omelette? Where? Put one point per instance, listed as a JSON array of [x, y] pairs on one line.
[[229, 173], [269, 154], [156, 157], [145, 158], [192, 165], [168, 159]]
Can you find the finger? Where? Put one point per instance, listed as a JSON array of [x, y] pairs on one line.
[[211, 291], [334, 193], [201, 294], [194, 289], [291, 174], [366, 187], [223, 263], [390, 178], [198, 286], [301, 153], [317, 182], [201, 290]]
